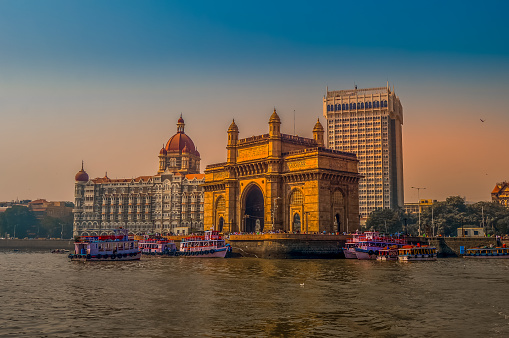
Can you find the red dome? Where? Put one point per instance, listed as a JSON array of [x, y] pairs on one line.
[[178, 142], [81, 176], [163, 151]]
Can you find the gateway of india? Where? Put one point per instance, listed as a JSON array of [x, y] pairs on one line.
[[280, 182]]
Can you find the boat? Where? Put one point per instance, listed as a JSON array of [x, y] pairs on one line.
[[349, 248], [157, 246], [116, 247], [211, 245], [369, 247], [388, 254], [485, 252], [409, 253]]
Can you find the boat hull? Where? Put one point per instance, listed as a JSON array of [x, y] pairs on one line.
[[349, 254], [364, 254], [88, 258], [486, 256], [415, 258], [212, 253]]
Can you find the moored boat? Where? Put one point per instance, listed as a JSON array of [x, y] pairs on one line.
[[116, 247], [388, 254], [368, 248], [212, 245], [409, 253], [157, 246], [485, 252]]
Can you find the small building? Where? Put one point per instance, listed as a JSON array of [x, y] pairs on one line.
[[57, 209], [470, 232], [500, 193]]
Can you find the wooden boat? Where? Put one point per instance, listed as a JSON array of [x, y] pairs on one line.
[[116, 247], [409, 253], [485, 252], [212, 245], [157, 246]]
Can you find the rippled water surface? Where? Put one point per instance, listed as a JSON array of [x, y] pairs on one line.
[[43, 294]]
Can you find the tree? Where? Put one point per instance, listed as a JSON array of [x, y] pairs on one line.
[[18, 220], [389, 221]]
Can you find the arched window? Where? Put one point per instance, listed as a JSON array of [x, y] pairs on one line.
[[370, 104], [362, 105], [343, 108], [385, 103], [297, 198], [220, 204], [354, 106]]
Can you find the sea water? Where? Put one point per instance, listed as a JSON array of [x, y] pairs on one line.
[[46, 295]]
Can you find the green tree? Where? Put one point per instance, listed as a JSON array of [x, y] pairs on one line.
[[389, 221], [18, 220]]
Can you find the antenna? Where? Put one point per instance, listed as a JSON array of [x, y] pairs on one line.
[[294, 122]]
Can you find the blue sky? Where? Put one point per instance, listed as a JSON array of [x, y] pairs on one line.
[[85, 79]]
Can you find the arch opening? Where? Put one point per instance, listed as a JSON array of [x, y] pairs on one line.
[[296, 226], [254, 210]]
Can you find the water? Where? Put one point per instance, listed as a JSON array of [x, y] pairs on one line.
[[45, 295]]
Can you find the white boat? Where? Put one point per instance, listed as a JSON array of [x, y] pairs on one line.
[[417, 253], [212, 245], [116, 247], [157, 246]]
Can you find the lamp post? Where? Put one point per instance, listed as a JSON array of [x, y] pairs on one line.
[[274, 208], [419, 205], [307, 222], [15, 225]]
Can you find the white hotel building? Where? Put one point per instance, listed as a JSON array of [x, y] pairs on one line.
[[368, 122], [170, 202]]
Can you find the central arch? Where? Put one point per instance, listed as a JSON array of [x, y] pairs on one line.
[[254, 209]]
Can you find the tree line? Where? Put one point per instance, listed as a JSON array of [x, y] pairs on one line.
[[442, 219], [19, 221]]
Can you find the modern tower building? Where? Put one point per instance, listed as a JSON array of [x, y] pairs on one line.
[[368, 122]]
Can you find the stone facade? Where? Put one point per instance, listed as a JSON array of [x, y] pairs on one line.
[[170, 202], [279, 182]]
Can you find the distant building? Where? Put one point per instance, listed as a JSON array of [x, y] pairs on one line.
[[500, 194], [42, 208], [413, 208], [470, 232], [368, 123], [170, 202], [279, 182]]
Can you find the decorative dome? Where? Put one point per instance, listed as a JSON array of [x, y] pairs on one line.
[[185, 150], [163, 151], [180, 140], [274, 117], [233, 127], [82, 175], [318, 126]]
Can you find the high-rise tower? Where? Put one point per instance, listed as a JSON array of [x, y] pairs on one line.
[[368, 122]]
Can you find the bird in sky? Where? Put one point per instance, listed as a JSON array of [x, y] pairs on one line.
[[481, 120]]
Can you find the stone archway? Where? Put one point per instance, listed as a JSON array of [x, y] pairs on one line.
[[296, 223], [220, 225], [337, 222], [253, 209]]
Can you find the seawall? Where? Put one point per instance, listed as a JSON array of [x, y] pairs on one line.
[[288, 245], [36, 244]]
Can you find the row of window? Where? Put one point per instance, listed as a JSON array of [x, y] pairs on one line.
[[358, 105]]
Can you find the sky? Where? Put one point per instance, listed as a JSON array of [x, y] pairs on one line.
[[104, 82]]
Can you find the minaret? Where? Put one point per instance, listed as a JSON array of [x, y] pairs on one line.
[[274, 135], [233, 137], [318, 133]]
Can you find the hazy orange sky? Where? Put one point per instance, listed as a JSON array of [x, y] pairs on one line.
[[105, 82]]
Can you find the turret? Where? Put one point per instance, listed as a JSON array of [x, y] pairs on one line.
[[233, 137], [274, 125], [318, 133]]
